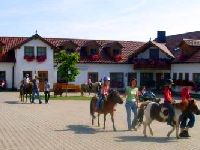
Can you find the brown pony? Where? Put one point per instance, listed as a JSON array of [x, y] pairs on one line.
[[155, 111], [112, 99], [26, 90]]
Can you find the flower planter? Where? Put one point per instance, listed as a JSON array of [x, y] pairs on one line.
[[117, 58], [41, 58], [29, 58], [94, 57]]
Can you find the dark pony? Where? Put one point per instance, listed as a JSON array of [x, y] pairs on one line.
[[93, 88], [25, 91], [112, 99]]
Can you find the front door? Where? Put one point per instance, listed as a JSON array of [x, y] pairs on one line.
[[42, 76]]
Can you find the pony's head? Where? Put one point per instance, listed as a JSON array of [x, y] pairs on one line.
[[115, 97], [193, 107]]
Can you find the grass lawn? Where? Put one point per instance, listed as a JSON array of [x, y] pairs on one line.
[[68, 97]]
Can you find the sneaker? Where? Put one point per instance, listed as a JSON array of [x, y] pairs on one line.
[[187, 134], [184, 134]]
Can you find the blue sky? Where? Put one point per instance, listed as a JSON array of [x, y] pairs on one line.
[[136, 20]]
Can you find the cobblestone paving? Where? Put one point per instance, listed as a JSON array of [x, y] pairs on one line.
[[66, 125]]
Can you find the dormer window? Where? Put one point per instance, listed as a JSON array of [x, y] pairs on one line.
[[93, 51], [69, 50], [116, 52], [1, 46], [69, 46]]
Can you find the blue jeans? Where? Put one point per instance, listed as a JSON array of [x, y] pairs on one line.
[[100, 101], [36, 91], [170, 108], [184, 119], [131, 106]]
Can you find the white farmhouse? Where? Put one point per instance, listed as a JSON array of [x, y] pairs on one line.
[[176, 57]]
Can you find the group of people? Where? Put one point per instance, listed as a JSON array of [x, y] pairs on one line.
[[133, 98], [35, 88]]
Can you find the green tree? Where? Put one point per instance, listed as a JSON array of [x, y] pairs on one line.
[[67, 65]]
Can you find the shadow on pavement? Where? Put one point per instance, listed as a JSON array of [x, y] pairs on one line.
[[15, 102], [80, 129], [145, 139], [85, 129]]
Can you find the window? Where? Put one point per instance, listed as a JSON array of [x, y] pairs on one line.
[[69, 50], [167, 76], [174, 76], [27, 72], [116, 52], [2, 75], [180, 76], [196, 77], [41, 51], [117, 80], [28, 51], [187, 76], [131, 76], [93, 51], [154, 53], [146, 79], [93, 76]]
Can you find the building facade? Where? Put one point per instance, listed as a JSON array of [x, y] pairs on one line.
[[149, 62]]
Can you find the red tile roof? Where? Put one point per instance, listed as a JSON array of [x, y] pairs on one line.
[[128, 47]]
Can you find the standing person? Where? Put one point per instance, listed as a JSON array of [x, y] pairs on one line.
[[185, 124], [90, 82], [141, 92], [36, 90], [168, 101], [132, 103], [104, 91], [46, 90]]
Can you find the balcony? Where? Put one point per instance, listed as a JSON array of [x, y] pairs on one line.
[[162, 64]]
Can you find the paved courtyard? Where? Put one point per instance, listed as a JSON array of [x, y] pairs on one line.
[[66, 125]]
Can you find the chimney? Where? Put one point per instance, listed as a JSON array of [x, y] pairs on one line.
[[161, 37]]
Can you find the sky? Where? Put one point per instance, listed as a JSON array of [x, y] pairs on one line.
[[135, 20]]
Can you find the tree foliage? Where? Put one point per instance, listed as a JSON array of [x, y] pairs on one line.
[[67, 63]]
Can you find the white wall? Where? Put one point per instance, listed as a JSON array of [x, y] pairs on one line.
[[7, 67], [103, 70], [185, 68], [34, 66]]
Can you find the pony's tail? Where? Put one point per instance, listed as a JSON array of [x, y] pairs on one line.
[[91, 109]]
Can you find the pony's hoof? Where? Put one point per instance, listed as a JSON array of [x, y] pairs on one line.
[[145, 136], [151, 134], [168, 135], [178, 137], [114, 129]]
